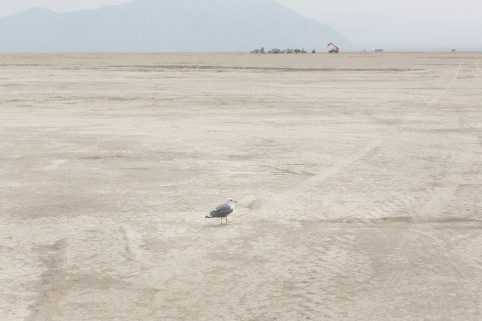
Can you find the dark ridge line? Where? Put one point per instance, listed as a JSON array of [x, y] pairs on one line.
[[401, 219], [209, 67], [193, 67]]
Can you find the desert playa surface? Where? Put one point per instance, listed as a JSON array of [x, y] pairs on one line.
[[358, 178]]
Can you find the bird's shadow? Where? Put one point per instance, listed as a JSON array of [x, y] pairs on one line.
[[216, 225]]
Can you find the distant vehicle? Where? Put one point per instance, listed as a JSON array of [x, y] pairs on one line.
[[378, 50], [275, 51], [335, 49]]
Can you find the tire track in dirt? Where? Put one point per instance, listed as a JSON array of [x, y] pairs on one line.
[[419, 210], [435, 200], [462, 118], [462, 122], [326, 173], [432, 201], [326, 227], [332, 263], [438, 198], [52, 284], [448, 87]]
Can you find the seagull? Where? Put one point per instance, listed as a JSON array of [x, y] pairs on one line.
[[223, 210]]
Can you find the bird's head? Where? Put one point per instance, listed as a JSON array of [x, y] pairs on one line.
[[230, 200]]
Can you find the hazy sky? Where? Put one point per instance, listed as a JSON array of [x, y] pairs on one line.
[[382, 23]]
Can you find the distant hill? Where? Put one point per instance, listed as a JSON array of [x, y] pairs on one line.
[[165, 25]]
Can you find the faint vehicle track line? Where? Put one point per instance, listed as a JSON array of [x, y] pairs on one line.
[[414, 210], [301, 244], [449, 86], [427, 205], [462, 120], [303, 188], [418, 210], [326, 173]]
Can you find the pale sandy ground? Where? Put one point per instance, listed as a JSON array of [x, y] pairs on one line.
[[358, 178]]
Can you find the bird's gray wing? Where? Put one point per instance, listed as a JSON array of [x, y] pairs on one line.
[[222, 207], [221, 211]]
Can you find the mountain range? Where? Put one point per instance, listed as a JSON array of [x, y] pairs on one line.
[[165, 26]]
